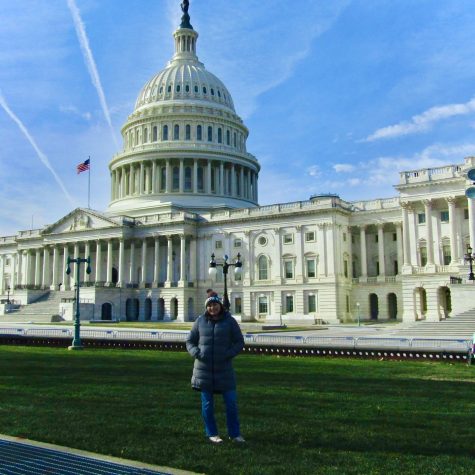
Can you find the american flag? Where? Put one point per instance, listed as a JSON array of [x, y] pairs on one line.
[[82, 167]]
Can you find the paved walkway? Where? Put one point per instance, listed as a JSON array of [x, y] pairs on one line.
[[25, 457]]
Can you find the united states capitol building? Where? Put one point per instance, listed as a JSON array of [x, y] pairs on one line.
[[185, 187]]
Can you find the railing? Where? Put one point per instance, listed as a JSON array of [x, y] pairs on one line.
[[455, 280], [343, 342], [430, 174]]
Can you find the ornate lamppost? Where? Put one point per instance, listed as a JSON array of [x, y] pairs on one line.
[[76, 345], [470, 257], [358, 313], [225, 265]]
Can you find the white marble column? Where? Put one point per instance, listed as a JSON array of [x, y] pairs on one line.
[[221, 178], [169, 262], [382, 264], [156, 265], [141, 179], [182, 259], [400, 249], [364, 259], [87, 253], [241, 180], [66, 278], [453, 230], [120, 277], [109, 264], [233, 180], [54, 279], [471, 222], [143, 277], [208, 177], [299, 262], [429, 238], [132, 263], [15, 259], [168, 181], [405, 235], [154, 177], [193, 277], [46, 268], [98, 263], [131, 180], [37, 268]]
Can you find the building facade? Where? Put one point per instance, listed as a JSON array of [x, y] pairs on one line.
[[184, 188]]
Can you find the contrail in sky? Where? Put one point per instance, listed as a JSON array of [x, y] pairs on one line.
[[90, 63], [41, 155]]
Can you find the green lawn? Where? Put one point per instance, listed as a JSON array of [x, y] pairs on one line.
[[299, 415]]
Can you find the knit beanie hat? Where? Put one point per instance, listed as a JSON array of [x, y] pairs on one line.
[[213, 299]]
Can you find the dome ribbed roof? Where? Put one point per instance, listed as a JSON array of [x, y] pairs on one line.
[[185, 78]]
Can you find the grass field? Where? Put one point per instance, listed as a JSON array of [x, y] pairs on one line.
[[299, 415]]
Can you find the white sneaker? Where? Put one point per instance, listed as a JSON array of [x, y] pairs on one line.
[[240, 439], [216, 439]]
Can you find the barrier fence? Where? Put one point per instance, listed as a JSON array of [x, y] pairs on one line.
[[435, 345]]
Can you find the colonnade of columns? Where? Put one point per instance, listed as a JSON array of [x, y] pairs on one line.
[[184, 176], [115, 262], [382, 251]]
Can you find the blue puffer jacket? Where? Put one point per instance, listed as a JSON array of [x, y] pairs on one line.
[[214, 344]]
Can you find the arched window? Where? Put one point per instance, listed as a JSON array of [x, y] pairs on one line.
[[263, 268], [220, 135], [165, 132], [155, 134], [228, 137], [210, 134], [188, 132], [196, 89], [204, 90], [178, 88], [188, 181], [145, 135], [212, 91], [200, 179], [176, 178], [169, 88], [187, 88], [235, 139], [199, 132], [176, 132], [219, 93]]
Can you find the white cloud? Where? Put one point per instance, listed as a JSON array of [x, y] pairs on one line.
[[75, 111], [343, 168], [314, 170], [424, 121]]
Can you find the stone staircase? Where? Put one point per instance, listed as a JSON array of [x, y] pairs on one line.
[[40, 311], [459, 326]]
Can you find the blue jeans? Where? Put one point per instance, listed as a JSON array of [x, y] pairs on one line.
[[232, 419]]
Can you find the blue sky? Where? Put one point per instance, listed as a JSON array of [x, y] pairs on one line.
[[339, 95]]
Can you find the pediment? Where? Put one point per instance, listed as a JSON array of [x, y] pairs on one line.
[[80, 220]]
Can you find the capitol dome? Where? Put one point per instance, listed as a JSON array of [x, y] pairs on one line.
[[184, 144]]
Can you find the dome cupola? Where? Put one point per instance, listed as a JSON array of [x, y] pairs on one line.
[[184, 144]]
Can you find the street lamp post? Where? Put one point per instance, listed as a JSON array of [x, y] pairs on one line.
[[8, 295], [470, 257], [76, 345], [358, 313], [225, 265]]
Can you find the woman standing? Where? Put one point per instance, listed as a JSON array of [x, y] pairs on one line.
[[214, 341]]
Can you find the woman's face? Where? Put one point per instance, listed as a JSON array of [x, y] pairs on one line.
[[214, 308]]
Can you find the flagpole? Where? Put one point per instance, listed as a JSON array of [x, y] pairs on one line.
[[89, 185]]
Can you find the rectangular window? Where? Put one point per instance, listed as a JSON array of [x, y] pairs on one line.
[[311, 268], [310, 236], [352, 239], [312, 303], [289, 303], [218, 245], [344, 237], [394, 237], [465, 213], [377, 267], [376, 238], [237, 277], [263, 307], [347, 304], [237, 243], [345, 268], [289, 269], [421, 218], [447, 255], [288, 238], [444, 216], [396, 268], [237, 305]]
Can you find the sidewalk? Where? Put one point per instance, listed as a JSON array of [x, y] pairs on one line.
[[25, 457]]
